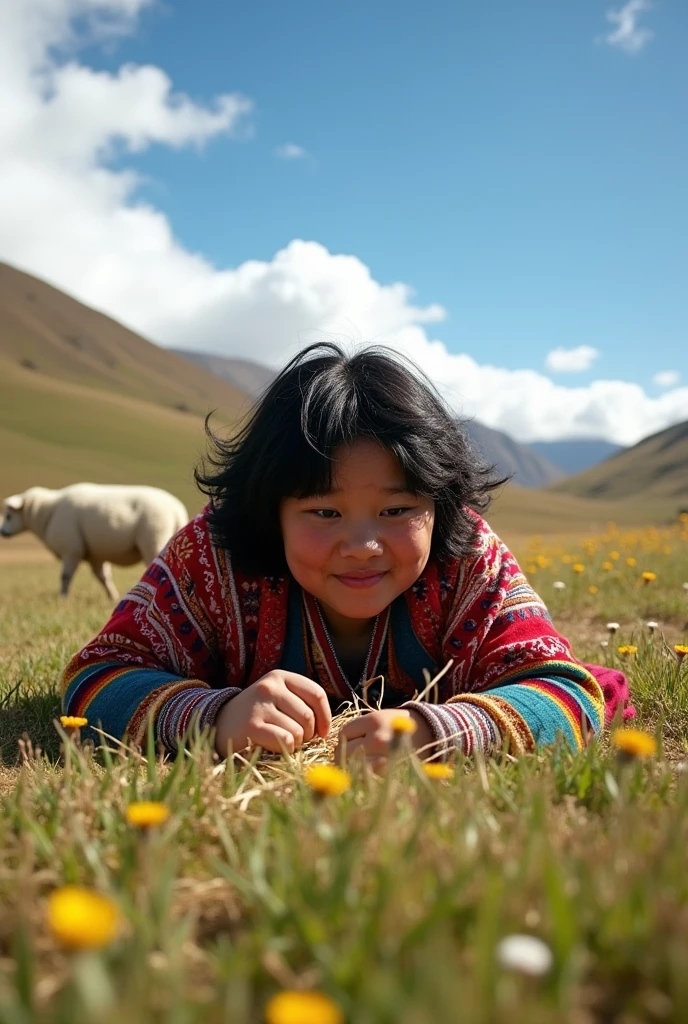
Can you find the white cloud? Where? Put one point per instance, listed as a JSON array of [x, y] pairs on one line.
[[666, 378], [571, 360], [628, 35], [68, 216], [290, 151]]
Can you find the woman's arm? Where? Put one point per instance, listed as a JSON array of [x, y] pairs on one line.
[[160, 652], [515, 679]]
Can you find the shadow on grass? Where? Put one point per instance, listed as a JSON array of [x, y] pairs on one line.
[[29, 717]]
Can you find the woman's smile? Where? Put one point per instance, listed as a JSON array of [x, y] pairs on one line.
[[361, 580]]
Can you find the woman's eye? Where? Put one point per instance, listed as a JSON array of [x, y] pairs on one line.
[[397, 511], [326, 513]]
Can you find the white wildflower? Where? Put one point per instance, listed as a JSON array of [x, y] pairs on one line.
[[652, 625], [525, 953], [612, 627], [685, 586], [604, 643], [559, 585]]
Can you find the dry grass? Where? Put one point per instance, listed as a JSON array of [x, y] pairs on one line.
[[390, 898]]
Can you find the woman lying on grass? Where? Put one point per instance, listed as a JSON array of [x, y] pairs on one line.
[[341, 542]]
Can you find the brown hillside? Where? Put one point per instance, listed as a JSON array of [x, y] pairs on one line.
[[46, 331], [655, 468]]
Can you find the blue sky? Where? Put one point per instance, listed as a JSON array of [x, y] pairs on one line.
[[494, 156], [496, 189]]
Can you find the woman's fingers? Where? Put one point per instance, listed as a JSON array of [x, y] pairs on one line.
[[376, 755], [372, 741], [355, 728], [276, 730], [298, 711], [314, 696]]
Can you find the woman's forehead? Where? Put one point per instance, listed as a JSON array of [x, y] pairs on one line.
[[367, 464]]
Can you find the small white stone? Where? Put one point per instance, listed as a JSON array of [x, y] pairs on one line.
[[559, 585], [525, 953], [612, 626]]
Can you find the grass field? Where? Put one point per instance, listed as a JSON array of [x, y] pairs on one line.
[[391, 899]]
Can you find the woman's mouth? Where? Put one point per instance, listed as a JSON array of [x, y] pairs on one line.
[[361, 581]]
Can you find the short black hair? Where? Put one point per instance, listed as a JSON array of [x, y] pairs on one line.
[[322, 400]]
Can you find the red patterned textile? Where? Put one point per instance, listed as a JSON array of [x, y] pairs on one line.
[[195, 621]]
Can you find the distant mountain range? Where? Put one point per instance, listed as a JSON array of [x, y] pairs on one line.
[[576, 454], [657, 465], [240, 373], [511, 458]]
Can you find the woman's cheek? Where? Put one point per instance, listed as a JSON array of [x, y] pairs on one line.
[[308, 546]]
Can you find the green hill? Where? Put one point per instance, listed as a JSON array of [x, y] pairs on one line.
[[55, 336], [84, 398], [655, 469], [54, 433]]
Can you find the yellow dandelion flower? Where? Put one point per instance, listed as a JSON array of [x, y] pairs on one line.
[[578, 567], [291, 1007], [147, 813], [634, 742], [648, 577], [73, 722], [631, 562], [433, 770], [566, 559], [404, 724], [614, 555], [81, 918], [681, 650], [627, 650], [592, 589], [683, 518], [607, 566], [327, 779]]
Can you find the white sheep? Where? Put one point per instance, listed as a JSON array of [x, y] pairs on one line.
[[96, 523]]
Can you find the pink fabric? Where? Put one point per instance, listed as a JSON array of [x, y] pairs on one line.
[[615, 690]]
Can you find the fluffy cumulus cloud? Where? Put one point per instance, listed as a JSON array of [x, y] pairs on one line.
[[571, 360], [67, 214], [628, 35]]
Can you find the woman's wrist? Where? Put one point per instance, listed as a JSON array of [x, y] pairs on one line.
[[423, 737]]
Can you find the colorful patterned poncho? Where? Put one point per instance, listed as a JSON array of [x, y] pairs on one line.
[[195, 631]]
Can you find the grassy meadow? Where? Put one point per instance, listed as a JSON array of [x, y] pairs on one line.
[[258, 899]]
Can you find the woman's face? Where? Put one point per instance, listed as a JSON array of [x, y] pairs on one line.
[[362, 544]]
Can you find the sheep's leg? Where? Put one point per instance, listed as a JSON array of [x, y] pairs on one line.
[[103, 572], [70, 564]]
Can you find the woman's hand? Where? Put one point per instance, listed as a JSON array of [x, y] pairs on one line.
[[282, 710], [370, 735]]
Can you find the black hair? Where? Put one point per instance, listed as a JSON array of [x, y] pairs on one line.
[[322, 400]]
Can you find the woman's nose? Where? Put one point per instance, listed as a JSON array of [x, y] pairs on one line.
[[361, 544]]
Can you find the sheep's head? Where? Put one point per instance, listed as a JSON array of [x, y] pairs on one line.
[[13, 520]]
